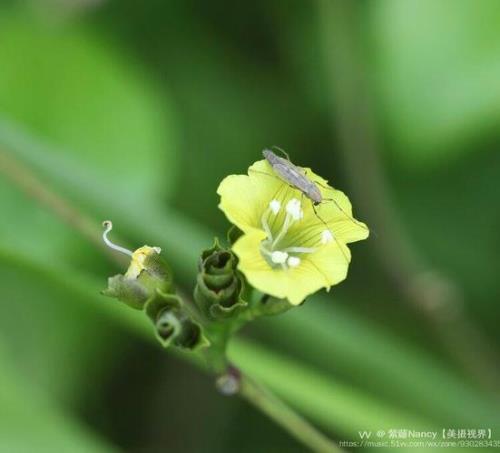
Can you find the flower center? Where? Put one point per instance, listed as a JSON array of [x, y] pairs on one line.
[[281, 249]]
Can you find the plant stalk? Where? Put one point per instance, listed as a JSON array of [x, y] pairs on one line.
[[297, 426]]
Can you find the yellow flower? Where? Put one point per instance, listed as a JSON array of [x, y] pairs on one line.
[[288, 250], [147, 273], [139, 260]]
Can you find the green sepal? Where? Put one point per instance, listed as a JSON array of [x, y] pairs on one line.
[[216, 280], [136, 291], [220, 304], [219, 288], [172, 323], [220, 312], [167, 327], [159, 302], [127, 290], [216, 247], [233, 234], [156, 274], [268, 306], [191, 336]]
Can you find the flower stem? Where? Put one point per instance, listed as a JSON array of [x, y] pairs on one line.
[[284, 415], [261, 397], [26, 179]]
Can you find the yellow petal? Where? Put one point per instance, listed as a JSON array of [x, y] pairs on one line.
[[322, 269], [336, 211], [138, 259], [244, 198], [349, 231]]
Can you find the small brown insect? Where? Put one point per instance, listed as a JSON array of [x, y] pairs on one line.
[[296, 177]]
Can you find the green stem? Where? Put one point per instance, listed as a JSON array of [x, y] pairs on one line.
[[24, 178], [231, 380], [285, 416], [215, 355]]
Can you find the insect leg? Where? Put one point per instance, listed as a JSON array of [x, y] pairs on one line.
[[317, 182], [352, 219], [251, 170], [334, 237]]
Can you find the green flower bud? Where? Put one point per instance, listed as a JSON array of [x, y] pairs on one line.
[[147, 273], [219, 288], [126, 290], [173, 324], [233, 234]]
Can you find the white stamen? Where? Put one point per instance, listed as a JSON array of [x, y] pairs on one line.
[[300, 250], [265, 225], [326, 236], [293, 208], [157, 249], [278, 257], [293, 261], [108, 225], [275, 206], [283, 231], [264, 251]]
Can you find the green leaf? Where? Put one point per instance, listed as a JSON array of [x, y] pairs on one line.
[[338, 407], [29, 423], [42, 324], [437, 72], [67, 84], [145, 218], [335, 339], [46, 318]]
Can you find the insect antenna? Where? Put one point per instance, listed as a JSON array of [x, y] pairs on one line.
[[282, 151]]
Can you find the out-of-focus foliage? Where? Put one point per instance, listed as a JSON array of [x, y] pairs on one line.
[[65, 84], [68, 85], [447, 53], [24, 411], [135, 111], [437, 69]]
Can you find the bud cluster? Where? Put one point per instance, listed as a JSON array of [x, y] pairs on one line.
[[223, 300], [219, 287], [148, 285]]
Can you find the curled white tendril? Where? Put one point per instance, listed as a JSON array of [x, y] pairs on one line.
[[108, 226]]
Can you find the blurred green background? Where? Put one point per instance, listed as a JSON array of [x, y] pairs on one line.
[[135, 111]]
